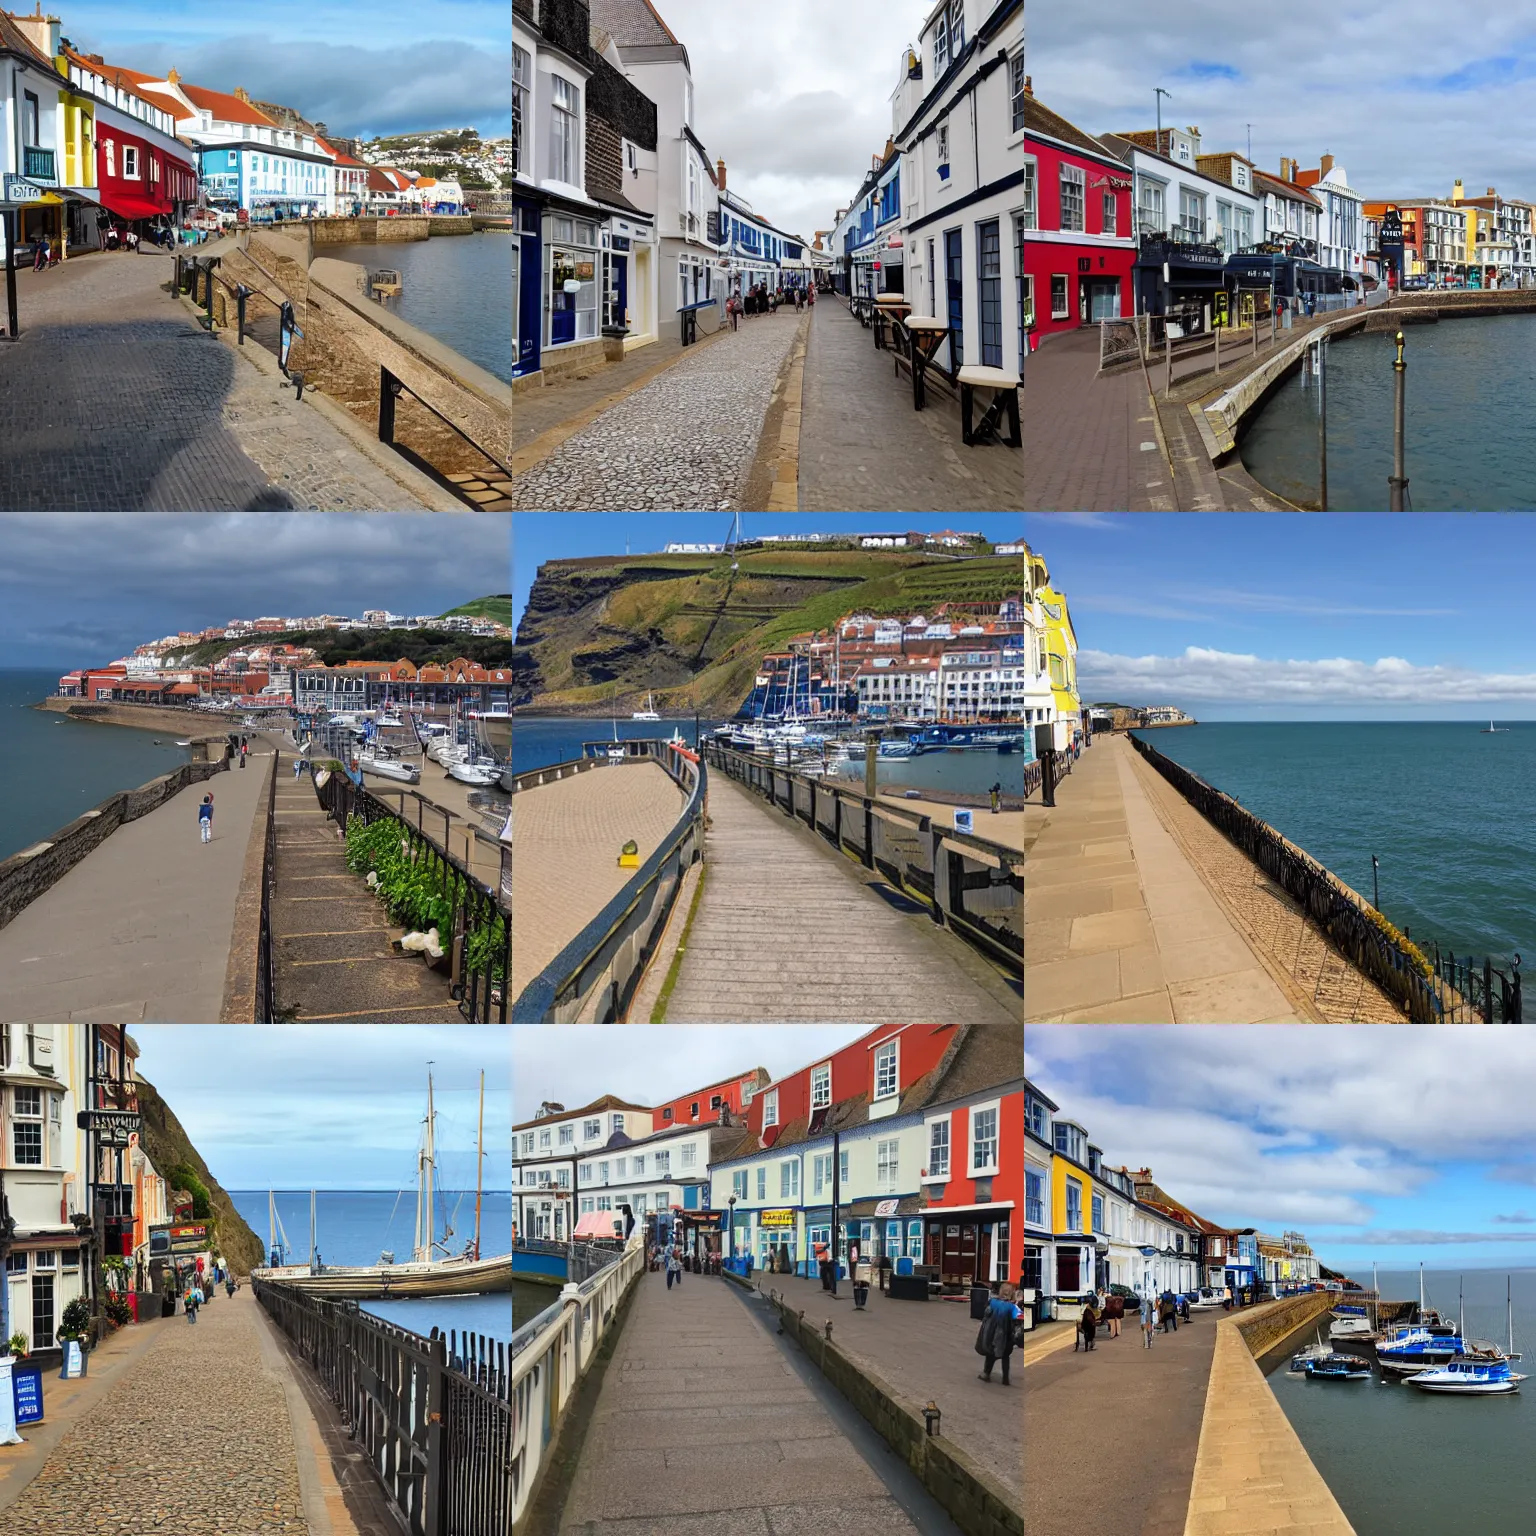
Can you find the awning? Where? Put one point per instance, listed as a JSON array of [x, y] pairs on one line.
[[126, 206]]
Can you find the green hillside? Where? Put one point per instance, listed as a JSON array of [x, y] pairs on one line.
[[600, 633], [498, 608], [420, 647]]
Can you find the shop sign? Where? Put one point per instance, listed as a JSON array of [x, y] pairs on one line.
[[19, 190], [886, 1207], [584, 271], [776, 1219], [113, 1127], [27, 1393], [191, 1238]]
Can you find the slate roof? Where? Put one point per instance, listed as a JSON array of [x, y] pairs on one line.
[[632, 23], [1040, 119]]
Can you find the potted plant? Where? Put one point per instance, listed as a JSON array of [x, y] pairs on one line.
[[17, 1344], [75, 1322]]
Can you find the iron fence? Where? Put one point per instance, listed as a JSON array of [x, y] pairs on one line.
[[390, 390], [482, 966], [1427, 990], [1481, 992], [434, 1415], [265, 991]]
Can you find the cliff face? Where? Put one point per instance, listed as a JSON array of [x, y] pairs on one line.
[[167, 1145]]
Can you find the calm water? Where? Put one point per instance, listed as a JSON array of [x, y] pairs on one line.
[[1402, 1462], [529, 1300], [457, 288], [1471, 441], [1444, 809], [355, 1226], [538, 743], [52, 769]]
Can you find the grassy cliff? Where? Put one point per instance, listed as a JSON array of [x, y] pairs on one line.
[[600, 633], [497, 607], [167, 1145], [420, 647]]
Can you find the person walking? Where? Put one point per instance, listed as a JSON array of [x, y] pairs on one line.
[[205, 818], [194, 1299], [1148, 1317], [810, 297], [674, 1268], [242, 751], [1089, 1324], [996, 793], [229, 1285], [1114, 1310], [994, 1341], [1165, 1312]]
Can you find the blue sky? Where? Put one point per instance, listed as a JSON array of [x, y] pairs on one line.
[[389, 67], [86, 587], [1355, 1144], [541, 536], [1292, 616], [325, 1106]]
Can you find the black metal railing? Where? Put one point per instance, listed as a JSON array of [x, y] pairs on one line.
[[1034, 774], [1356, 929], [37, 164], [479, 927], [390, 390], [1481, 992], [265, 993], [433, 1414], [594, 978]]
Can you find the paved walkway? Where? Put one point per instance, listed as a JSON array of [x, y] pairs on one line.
[[789, 931], [685, 441], [114, 399], [566, 838], [703, 1428], [926, 1351], [139, 930], [1141, 1410], [1252, 1474], [1090, 443], [332, 941], [863, 446], [202, 1430], [1119, 926]]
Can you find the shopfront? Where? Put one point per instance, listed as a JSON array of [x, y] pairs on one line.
[[572, 259], [1178, 281], [971, 1247], [628, 251], [776, 1231]]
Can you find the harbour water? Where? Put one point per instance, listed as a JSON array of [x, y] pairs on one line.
[[529, 1300], [52, 770], [457, 288], [538, 743], [355, 1226], [1403, 1462], [1443, 808], [1471, 444]]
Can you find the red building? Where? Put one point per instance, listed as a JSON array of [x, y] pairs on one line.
[[703, 1105], [1081, 243]]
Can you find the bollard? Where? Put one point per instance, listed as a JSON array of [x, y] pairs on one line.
[[1218, 349], [208, 296], [1397, 484], [242, 293], [298, 385], [1168, 346]]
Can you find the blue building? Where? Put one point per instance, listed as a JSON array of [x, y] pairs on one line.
[[756, 252], [267, 181], [872, 239]]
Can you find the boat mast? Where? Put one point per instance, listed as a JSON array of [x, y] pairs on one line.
[[479, 1161], [311, 1231]]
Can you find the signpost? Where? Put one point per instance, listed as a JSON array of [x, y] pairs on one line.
[[113, 1127], [190, 1238]]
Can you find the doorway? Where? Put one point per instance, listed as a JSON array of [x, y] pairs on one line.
[[954, 279]]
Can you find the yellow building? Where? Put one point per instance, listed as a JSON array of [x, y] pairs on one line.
[[1061, 661]]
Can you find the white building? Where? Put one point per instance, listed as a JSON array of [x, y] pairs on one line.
[[1290, 211], [899, 687], [547, 1152], [983, 684], [1341, 224], [958, 121]]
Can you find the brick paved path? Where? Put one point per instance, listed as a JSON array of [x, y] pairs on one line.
[[926, 1350], [1138, 1412], [789, 931], [566, 838], [195, 1438], [1090, 443], [139, 930], [113, 399], [702, 1427], [685, 441], [863, 447]]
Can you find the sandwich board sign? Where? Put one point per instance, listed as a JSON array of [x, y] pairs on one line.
[[27, 1386], [73, 1367], [8, 1435]]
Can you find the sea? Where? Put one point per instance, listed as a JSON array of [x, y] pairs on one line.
[[1402, 1462], [541, 742], [1469, 439], [52, 769], [354, 1226], [1444, 808], [529, 1300], [457, 288]]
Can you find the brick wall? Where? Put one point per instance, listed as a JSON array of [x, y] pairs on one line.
[[1277, 1321], [23, 877], [605, 155]]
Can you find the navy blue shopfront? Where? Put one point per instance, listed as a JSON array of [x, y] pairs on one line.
[[527, 277]]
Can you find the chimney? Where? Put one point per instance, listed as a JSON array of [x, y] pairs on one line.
[[1456, 191], [720, 174], [1029, 85], [1491, 192], [241, 94], [172, 78], [1326, 164], [41, 31]]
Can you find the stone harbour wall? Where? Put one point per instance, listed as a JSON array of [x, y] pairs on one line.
[[26, 875], [366, 231], [1273, 1324]]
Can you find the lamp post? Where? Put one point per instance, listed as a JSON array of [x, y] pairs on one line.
[[1375, 885], [730, 1217], [1398, 485]]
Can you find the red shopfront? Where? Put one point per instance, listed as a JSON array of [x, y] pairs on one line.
[[137, 179], [1079, 241]]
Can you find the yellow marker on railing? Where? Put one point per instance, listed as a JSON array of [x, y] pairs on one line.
[[629, 855]]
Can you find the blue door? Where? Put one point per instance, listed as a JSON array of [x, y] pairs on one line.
[[954, 278], [621, 283]]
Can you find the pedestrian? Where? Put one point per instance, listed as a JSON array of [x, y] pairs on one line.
[[1165, 1312], [732, 304], [1148, 1317], [131, 240], [799, 300], [885, 1274], [674, 1268], [1114, 1310], [40, 253], [229, 1285], [205, 818], [1184, 1307], [810, 297], [242, 751], [194, 1299], [994, 1341], [996, 792], [1087, 1325]]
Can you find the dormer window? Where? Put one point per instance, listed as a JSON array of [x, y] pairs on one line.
[[821, 1086], [885, 1070], [770, 1108]]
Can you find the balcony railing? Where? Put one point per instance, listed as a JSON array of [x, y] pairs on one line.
[[37, 164]]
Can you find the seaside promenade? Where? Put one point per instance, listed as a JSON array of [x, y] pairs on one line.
[[140, 929], [1137, 910]]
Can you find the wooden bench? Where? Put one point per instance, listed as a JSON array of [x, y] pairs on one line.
[[1004, 405]]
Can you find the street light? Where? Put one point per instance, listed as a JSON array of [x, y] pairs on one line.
[[730, 1218], [1375, 885]]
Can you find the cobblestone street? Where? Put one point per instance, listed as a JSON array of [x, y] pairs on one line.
[[194, 1438], [113, 399], [683, 442]]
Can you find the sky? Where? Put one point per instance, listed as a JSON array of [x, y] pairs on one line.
[[541, 536], [327, 1106], [573, 1064], [85, 587], [1415, 1151], [390, 67], [1296, 616], [1399, 93], [795, 97]]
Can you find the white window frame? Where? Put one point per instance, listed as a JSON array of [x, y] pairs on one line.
[[565, 131], [592, 1129], [640, 1165], [567, 1135], [687, 1155], [663, 1165], [983, 1170], [131, 161], [821, 1086], [887, 1164], [28, 1117], [739, 1183], [1016, 90], [762, 1182], [1075, 177], [770, 1107], [937, 1175], [789, 1179], [544, 1140], [893, 1045]]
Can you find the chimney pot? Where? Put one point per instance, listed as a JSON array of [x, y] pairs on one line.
[[1029, 85], [720, 174], [1326, 164]]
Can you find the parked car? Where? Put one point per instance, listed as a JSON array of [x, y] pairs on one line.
[[1207, 1297]]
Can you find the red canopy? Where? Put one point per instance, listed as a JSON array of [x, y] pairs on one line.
[[126, 205]]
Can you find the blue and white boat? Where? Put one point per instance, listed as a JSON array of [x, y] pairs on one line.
[[1482, 1371], [1339, 1368], [1413, 1347]]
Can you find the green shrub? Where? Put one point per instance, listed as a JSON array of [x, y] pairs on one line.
[[119, 1314], [76, 1318]]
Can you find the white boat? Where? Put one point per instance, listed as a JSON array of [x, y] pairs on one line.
[[1351, 1330], [389, 717], [388, 768], [475, 773], [649, 712]]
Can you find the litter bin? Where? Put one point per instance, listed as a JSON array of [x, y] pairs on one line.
[[980, 1296]]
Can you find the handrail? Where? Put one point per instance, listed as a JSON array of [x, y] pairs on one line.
[[594, 977], [390, 390], [266, 995]]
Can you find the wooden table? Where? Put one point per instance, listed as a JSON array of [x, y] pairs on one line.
[[928, 334], [891, 307]]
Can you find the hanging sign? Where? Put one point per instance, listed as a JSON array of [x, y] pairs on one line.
[[886, 1207], [113, 1127], [191, 1238]]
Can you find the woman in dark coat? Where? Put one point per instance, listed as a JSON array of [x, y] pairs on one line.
[[995, 1340], [1090, 1325]]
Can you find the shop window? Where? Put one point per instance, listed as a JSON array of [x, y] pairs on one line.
[[130, 160], [1059, 309]]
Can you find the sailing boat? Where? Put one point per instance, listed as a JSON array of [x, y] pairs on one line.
[[649, 712], [432, 1271], [1483, 1371]]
